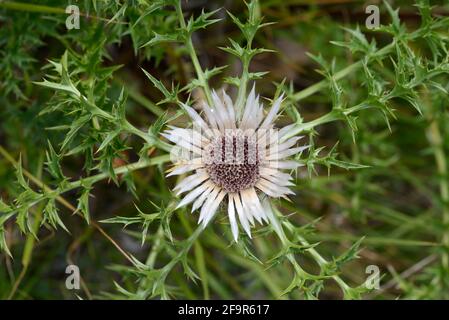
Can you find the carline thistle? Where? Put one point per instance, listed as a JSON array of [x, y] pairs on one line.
[[233, 159]]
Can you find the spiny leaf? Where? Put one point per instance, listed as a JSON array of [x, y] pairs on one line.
[[53, 163], [170, 96], [201, 22], [161, 38], [3, 245], [51, 215], [83, 202]]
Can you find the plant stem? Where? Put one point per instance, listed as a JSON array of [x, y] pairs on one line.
[[76, 184], [150, 139], [120, 170], [333, 115], [196, 63], [241, 95], [256, 268], [317, 257], [199, 257], [185, 249], [300, 127], [140, 98], [18, 6], [300, 95], [436, 142], [30, 7]]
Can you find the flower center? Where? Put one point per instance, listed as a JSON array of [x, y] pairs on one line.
[[232, 161]]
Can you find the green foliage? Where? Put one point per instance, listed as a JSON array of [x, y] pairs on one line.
[[83, 110]]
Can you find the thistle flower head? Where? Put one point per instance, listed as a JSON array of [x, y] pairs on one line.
[[233, 159]]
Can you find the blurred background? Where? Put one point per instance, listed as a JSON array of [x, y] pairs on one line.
[[381, 175]]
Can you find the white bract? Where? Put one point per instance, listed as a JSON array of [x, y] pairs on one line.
[[233, 160]]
